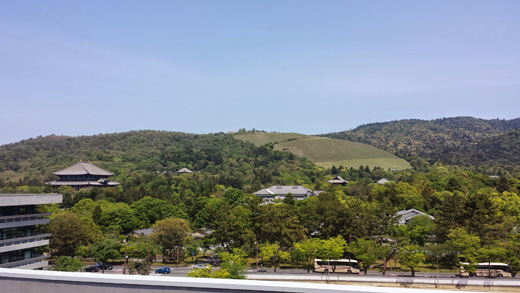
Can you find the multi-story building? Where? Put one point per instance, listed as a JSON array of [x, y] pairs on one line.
[[19, 217]]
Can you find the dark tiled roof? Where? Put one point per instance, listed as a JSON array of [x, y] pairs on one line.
[[82, 168], [82, 183]]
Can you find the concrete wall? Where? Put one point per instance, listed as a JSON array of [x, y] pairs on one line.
[[23, 281], [29, 199]]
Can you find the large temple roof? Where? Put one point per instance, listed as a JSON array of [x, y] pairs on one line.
[[82, 168]]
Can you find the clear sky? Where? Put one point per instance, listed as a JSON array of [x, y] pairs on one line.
[[88, 67]]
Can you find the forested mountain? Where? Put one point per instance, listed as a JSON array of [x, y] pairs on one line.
[[236, 162], [503, 150], [441, 140]]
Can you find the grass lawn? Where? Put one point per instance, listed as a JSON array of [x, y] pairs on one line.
[[327, 152]]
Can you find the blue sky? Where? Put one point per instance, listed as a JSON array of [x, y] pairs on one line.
[[90, 67]]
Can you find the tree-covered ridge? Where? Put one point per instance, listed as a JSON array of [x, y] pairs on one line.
[[501, 150], [236, 162], [435, 140]]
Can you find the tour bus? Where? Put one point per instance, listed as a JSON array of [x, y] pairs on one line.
[[487, 269], [349, 266]]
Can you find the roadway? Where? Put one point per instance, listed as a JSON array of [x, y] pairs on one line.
[[373, 278]]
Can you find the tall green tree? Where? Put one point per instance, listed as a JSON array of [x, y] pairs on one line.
[[106, 249], [464, 245], [279, 223], [367, 252], [273, 254], [411, 256], [309, 248], [333, 248], [171, 233], [67, 234]]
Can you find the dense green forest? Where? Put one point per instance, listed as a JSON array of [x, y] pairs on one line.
[[462, 141], [475, 215], [219, 157]]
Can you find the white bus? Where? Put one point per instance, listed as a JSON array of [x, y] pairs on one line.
[[349, 266], [487, 269]]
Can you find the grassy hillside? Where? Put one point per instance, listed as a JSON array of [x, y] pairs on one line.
[[261, 138], [326, 152]]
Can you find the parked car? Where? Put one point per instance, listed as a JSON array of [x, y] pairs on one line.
[[163, 270], [200, 266], [92, 269], [102, 266]]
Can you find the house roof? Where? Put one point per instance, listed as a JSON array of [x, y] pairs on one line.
[[337, 180], [405, 215], [295, 190], [82, 168], [184, 170], [383, 181]]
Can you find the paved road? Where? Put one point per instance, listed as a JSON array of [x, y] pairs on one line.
[[399, 278], [181, 271]]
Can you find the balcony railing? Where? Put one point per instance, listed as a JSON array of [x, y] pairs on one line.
[[24, 262], [22, 218], [22, 240]]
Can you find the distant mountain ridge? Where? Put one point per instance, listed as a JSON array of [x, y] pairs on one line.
[[458, 140]]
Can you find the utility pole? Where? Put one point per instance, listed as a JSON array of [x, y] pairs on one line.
[[148, 263], [256, 242], [177, 247], [124, 261]]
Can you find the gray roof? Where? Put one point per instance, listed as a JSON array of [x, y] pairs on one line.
[[184, 170], [406, 215], [142, 232], [82, 168], [295, 190], [383, 181]]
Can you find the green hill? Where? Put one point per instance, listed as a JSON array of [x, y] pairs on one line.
[[326, 152], [440, 140], [500, 150], [261, 138], [232, 162]]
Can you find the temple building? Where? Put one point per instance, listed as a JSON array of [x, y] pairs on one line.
[[81, 175]]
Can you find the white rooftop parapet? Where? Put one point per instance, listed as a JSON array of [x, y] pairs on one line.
[[20, 199], [14, 280]]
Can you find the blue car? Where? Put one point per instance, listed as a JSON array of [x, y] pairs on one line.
[[163, 270]]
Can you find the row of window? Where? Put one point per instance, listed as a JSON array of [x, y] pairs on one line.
[[17, 210], [10, 233], [17, 255]]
